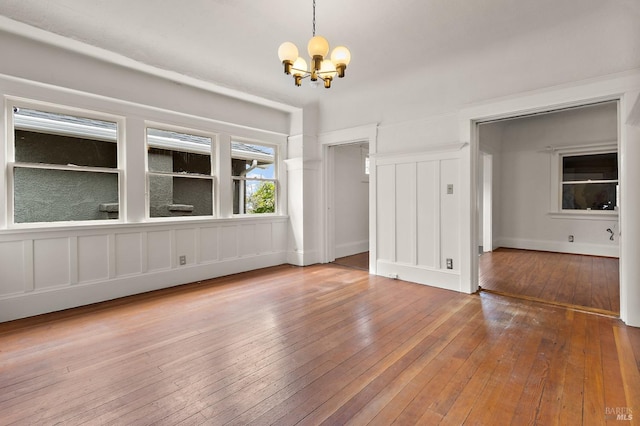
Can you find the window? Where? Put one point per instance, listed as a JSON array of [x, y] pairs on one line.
[[253, 168], [65, 167], [364, 154], [589, 182], [180, 174]]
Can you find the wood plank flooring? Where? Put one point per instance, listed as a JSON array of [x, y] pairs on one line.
[[568, 279], [318, 345], [358, 261]]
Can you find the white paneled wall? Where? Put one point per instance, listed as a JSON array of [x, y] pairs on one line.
[[418, 219], [43, 272]]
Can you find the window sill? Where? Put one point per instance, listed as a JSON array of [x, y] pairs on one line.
[[585, 215], [108, 226]]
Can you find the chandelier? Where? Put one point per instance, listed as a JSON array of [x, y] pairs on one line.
[[318, 49]]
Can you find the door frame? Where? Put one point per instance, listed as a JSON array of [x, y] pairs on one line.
[[362, 134], [623, 88]]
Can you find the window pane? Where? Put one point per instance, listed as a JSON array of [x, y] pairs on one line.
[[594, 196], [180, 196], [43, 137], [43, 195], [590, 167], [251, 160], [254, 196], [164, 160], [175, 152]]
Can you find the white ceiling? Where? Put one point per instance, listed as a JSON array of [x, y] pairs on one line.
[[233, 43]]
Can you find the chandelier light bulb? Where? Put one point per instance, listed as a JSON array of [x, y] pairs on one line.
[[299, 67], [318, 46], [288, 53], [299, 70], [327, 69], [341, 58], [341, 55], [327, 72]]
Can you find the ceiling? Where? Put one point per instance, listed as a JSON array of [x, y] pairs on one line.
[[233, 43]]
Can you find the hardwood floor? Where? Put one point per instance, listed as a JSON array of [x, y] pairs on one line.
[[318, 345], [358, 261], [567, 279]]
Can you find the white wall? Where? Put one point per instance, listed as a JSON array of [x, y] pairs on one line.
[[490, 140], [48, 268], [523, 218], [418, 220], [593, 56], [351, 200]]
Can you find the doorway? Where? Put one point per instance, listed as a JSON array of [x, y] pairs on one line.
[[545, 229], [349, 204]]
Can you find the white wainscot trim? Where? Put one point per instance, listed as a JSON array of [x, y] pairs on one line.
[[57, 299], [561, 247], [303, 258], [430, 153], [448, 280], [91, 265], [348, 249]]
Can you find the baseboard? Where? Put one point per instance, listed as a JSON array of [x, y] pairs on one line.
[[561, 247], [449, 280], [57, 299], [348, 249], [303, 258]]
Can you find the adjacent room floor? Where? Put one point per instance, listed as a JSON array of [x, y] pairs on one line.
[[569, 279], [358, 261], [324, 344]]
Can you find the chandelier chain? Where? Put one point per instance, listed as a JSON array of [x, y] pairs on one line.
[[314, 18]]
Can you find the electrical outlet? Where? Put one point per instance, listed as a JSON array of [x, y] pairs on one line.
[[183, 260], [570, 238], [449, 263], [449, 188], [393, 276]]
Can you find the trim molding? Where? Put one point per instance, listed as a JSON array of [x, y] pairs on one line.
[[560, 247], [56, 299]]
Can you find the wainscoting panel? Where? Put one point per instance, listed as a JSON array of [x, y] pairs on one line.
[[12, 267], [263, 240], [158, 250], [229, 242], [186, 245], [386, 208], [406, 213], [418, 224], [209, 244], [428, 231], [93, 258], [50, 270], [128, 254], [450, 212], [51, 263], [279, 236], [247, 240]]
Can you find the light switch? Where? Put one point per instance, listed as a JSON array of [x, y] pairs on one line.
[[449, 188]]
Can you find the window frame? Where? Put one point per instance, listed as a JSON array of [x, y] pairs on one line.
[[11, 164], [182, 147], [558, 154], [277, 154]]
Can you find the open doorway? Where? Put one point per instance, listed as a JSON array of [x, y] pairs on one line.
[[350, 201], [547, 207]]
